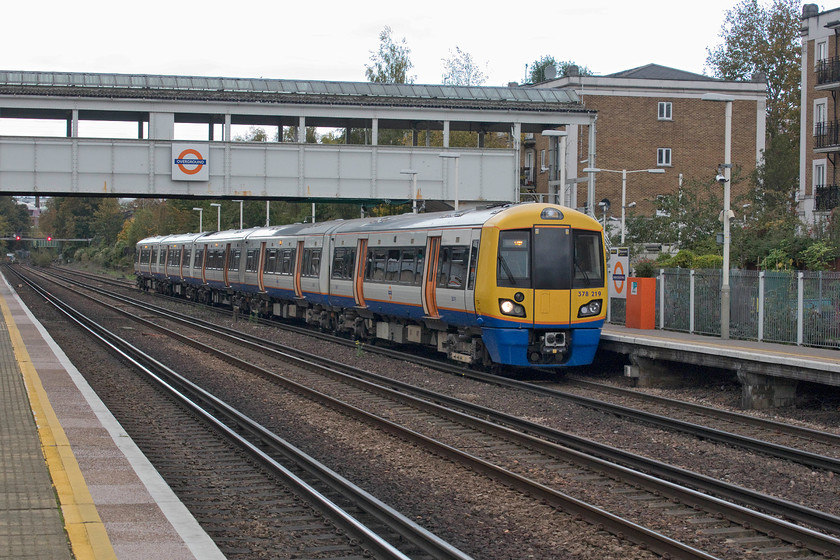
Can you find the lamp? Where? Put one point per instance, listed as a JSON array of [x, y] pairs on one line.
[[624, 173]]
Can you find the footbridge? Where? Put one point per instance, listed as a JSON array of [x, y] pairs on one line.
[[397, 141]]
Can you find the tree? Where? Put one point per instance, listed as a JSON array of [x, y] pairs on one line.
[[764, 42], [390, 64], [536, 74], [459, 69], [687, 219]]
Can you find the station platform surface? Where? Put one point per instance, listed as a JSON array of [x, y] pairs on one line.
[[802, 363], [72, 483]]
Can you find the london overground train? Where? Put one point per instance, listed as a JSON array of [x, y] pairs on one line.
[[520, 285]]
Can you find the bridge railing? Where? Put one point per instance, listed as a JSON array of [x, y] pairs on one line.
[[789, 307]]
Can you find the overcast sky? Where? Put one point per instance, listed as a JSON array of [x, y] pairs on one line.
[[329, 40]]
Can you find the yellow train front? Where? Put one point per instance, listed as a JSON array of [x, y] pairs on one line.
[[541, 294]]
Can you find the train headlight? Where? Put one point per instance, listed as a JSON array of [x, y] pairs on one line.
[[590, 309], [508, 307]]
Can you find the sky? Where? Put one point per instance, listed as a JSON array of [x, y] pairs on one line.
[[331, 40]]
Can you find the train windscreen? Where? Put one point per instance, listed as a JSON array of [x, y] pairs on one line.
[[589, 259]]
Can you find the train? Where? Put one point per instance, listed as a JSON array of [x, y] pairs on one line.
[[520, 285]]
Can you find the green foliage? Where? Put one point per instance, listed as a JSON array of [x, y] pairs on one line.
[[42, 257], [645, 268], [764, 40], [683, 259], [687, 218], [537, 69], [819, 256], [459, 69], [391, 63], [708, 261], [777, 259]]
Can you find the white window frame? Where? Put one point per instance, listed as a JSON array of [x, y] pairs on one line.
[[820, 111], [663, 157], [665, 111], [820, 51], [818, 172]]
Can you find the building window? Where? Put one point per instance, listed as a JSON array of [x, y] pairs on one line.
[[664, 110], [821, 51], [819, 174], [543, 166], [820, 115], [663, 157]]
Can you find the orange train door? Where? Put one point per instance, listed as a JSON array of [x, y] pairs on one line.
[[359, 273], [430, 308], [261, 267], [298, 266]]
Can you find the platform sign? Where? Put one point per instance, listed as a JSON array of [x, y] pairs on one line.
[[190, 162], [619, 266]]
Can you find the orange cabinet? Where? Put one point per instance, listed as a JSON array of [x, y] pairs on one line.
[[641, 303]]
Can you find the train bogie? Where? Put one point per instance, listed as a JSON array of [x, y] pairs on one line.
[[520, 285]]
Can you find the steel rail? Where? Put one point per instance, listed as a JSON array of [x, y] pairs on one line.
[[616, 525], [696, 481], [179, 387]]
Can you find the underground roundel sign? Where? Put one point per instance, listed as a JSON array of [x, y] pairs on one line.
[[190, 162]]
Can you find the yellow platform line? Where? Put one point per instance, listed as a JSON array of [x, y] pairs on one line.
[[84, 527]]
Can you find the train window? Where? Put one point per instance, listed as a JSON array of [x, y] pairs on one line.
[[589, 260], [473, 261], [344, 260], [251, 261], [233, 260], [452, 266], [199, 257], [144, 255], [187, 257], [154, 256], [392, 266], [270, 264], [311, 265], [513, 268], [376, 265], [287, 262], [173, 257], [407, 258], [552, 270]]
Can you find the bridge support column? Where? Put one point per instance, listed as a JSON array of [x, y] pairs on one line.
[[764, 391]]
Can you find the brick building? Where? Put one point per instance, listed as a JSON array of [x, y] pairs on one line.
[[651, 117], [819, 144]]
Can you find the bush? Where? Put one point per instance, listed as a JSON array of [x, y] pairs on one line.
[[708, 261], [645, 268], [683, 259]]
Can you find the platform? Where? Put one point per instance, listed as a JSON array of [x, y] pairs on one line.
[[768, 372], [73, 483]]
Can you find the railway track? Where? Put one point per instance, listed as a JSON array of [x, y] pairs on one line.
[[332, 518], [816, 449], [582, 469]]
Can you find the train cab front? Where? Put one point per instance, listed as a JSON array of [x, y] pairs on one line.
[[548, 302]]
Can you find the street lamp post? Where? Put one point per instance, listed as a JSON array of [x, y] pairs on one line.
[[240, 213], [413, 174], [218, 215], [200, 219], [624, 173], [725, 180], [457, 158]]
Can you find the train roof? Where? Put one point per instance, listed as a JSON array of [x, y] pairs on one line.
[[510, 214]]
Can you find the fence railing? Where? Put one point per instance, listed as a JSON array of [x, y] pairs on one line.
[[799, 307]]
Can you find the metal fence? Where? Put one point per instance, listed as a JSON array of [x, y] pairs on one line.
[[800, 308]]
